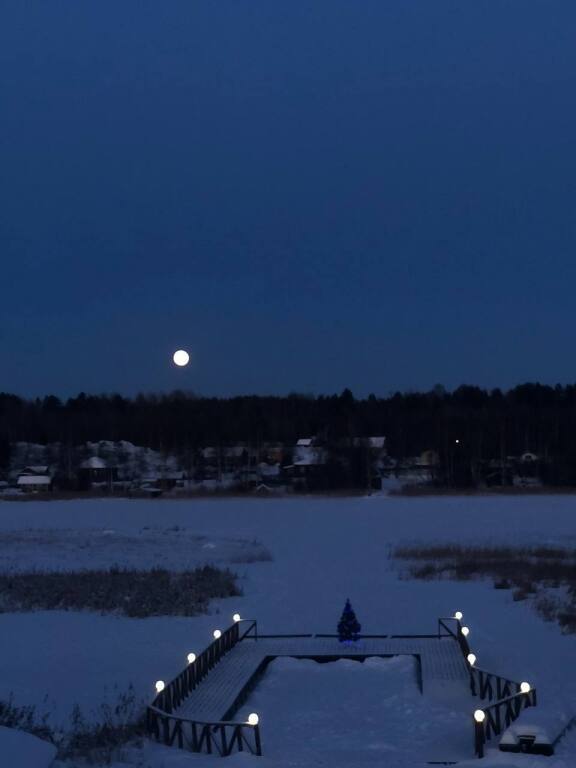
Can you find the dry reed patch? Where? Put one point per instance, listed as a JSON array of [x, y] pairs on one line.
[[531, 572], [132, 593]]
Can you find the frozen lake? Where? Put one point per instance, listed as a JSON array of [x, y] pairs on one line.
[[323, 551]]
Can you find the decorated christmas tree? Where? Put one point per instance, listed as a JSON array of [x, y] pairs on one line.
[[348, 626]]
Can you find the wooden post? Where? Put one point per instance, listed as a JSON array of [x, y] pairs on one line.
[[194, 734], [257, 740], [479, 738], [472, 682], [166, 729], [225, 750]]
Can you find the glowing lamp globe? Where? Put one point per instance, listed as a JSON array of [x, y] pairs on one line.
[[217, 634], [458, 615], [253, 719], [191, 658], [471, 658], [236, 618], [525, 687], [465, 631], [479, 715], [160, 686], [181, 358]]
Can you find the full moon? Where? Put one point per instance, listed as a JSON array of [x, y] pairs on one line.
[[181, 358]]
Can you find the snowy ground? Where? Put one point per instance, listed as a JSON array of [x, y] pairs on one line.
[[21, 750], [324, 550], [172, 548], [314, 717]]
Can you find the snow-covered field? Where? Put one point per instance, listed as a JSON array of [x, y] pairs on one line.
[[174, 549], [323, 550], [350, 713]]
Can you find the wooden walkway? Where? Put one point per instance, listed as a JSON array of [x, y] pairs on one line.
[[221, 692], [195, 711]]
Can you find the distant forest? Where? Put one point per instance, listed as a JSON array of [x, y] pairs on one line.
[[488, 425]]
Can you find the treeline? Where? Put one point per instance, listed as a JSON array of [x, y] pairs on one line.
[[488, 425]]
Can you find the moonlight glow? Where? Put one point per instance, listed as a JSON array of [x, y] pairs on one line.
[[181, 358]]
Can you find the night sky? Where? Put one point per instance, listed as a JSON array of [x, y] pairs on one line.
[[374, 194]]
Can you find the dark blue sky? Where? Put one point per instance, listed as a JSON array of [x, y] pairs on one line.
[[307, 196]]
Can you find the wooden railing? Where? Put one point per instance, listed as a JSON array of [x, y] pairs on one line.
[[369, 637], [499, 716], [506, 697], [445, 629], [221, 737], [487, 685]]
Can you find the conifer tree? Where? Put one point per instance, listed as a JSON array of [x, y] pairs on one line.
[[348, 626]]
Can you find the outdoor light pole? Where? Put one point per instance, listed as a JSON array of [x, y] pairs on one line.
[[479, 735]]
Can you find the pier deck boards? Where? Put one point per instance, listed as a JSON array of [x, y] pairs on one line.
[[441, 661]]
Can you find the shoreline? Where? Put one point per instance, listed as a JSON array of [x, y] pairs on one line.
[[407, 493]]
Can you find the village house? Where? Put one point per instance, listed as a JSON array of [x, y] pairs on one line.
[[234, 462], [34, 479], [94, 471], [308, 468], [419, 470]]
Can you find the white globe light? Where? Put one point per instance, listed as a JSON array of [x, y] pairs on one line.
[[525, 687], [479, 715], [471, 658], [465, 631], [191, 658], [217, 634], [458, 615], [236, 617], [181, 358], [160, 686], [253, 719]]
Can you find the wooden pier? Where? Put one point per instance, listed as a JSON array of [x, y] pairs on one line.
[[196, 710], [218, 699]]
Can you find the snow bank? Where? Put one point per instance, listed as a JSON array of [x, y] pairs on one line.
[[22, 750]]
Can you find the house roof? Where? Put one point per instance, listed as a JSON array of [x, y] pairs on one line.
[[41, 469], [94, 462], [34, 480], [305, 441]]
